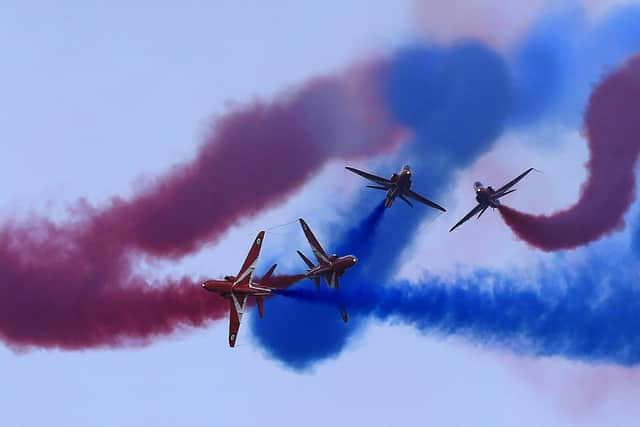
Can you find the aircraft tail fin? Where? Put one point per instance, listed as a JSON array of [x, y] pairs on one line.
[[268, 274], [306, 260]]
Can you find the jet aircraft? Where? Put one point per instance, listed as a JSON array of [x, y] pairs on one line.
[[329, 267], [399, 185], [487, 197], [237, 289]]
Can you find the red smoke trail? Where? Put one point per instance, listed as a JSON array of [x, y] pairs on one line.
[[63, 288], [253, 159], [73, 285], [613, 133]]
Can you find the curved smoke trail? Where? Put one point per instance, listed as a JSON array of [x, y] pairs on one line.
[[75, 270], [73, 285], [64, 288], [318, 331], [442, 94], [246, 165], [612, 129], [430, 90]]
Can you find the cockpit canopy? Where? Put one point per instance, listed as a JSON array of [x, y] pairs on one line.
[[406, 168], [478, 186]]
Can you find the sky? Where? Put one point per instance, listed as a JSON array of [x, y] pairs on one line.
[[98, 99]]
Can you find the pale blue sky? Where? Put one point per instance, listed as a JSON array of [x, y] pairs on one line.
[[96, 94]]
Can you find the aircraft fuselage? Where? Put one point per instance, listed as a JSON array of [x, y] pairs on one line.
[[338, 265], [226, 286], [401, 183], [485, 196]]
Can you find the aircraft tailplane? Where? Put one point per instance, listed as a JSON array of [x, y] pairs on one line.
[[306, 260], [506, 192]]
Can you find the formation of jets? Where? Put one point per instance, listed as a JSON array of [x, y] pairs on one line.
[[237, 289]]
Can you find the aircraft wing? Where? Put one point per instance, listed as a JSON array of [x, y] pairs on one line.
[[319, 253], [466, 218], [238, 304], [369, 176], [249, 265], [513, 182], [421, 199]]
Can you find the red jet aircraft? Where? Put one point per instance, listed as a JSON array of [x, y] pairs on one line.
[[239, 288], [399, 185], [329, 267], [487, 197]]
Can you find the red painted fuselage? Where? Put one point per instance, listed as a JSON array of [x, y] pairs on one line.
[[237, 289], [226, 286], [336, 265]]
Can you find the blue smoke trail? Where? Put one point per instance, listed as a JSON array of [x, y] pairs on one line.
[[468, 95], [541, 65], [586, 316], [558, 61], [458, 100], [459, 118], [358, 239], [300, 333]]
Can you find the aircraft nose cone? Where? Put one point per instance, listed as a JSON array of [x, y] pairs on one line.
[[209, 286], [354, 260]]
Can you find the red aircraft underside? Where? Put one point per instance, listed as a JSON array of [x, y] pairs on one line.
[[237, 289], [329, 267]]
